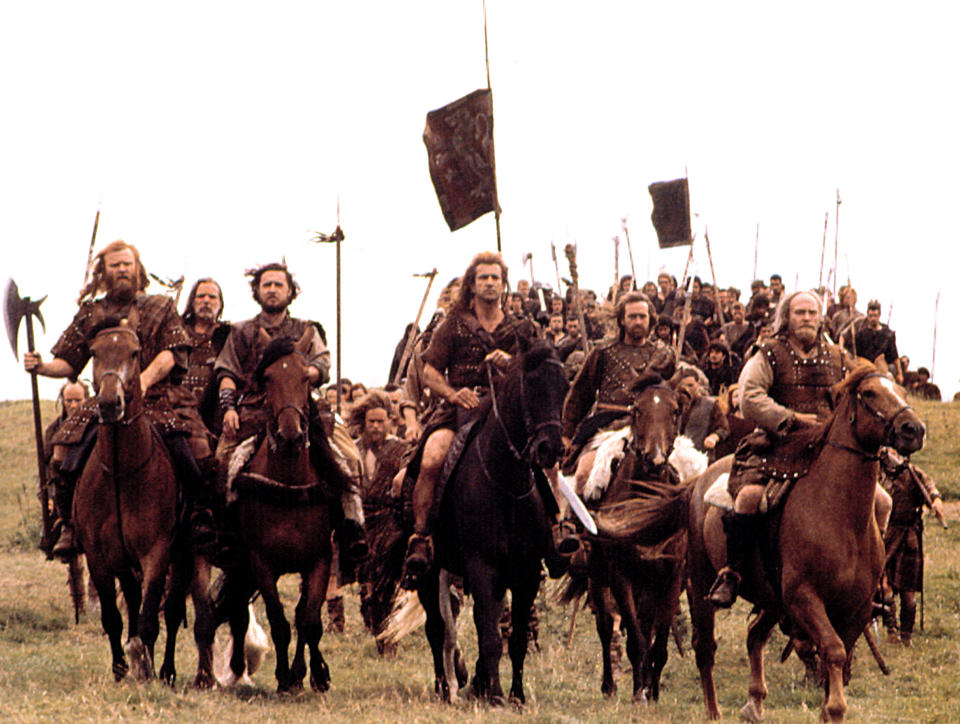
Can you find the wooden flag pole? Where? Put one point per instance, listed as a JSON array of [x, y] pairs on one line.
[[616, 268], [756, 252], [493, 152]]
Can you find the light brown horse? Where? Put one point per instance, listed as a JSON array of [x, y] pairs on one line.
[[126, 512], [644, 582], [283, 518], [826, 550]]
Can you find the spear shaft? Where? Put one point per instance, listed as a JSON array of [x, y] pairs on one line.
[[633, 270], [412, 336]]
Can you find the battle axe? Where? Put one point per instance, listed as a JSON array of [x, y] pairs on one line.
[[15, 309]]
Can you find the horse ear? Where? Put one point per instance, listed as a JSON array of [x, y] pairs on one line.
[[304, 343]]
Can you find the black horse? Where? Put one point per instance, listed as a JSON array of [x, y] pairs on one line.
[[493, 522]]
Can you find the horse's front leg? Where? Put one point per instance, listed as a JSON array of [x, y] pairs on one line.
[[487, 605], [637, 644], [757, 634], [523, 592], [808, 612], [310, 626], [279, 630], [110, 617], [174, 612], [139, 655], [428, 591]]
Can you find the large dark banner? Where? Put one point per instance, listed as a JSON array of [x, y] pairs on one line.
[[459, 141], [671, 212]]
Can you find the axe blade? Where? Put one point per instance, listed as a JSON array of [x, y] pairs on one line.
[[13, 311]]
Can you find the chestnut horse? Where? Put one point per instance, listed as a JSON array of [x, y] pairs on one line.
[[283, 520], [645, 582], [826, 548], [126, 509]]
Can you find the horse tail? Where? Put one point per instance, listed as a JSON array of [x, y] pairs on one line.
[[382, 570], [649, 518], [570, 588]]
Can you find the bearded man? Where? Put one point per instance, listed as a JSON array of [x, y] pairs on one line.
[[119, 274], [476, 332], [242, 398], [785, 386], [600, 393]]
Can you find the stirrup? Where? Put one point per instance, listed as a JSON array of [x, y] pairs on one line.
[[66, 545], [565, 538], [418, 560], [723, 592]]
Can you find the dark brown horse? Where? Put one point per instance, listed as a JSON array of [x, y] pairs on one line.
[[825, 547], [283, 519], [644, 581], [126, 510]]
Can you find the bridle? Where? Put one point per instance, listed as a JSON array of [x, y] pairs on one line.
[[532, 429], [888, 422]]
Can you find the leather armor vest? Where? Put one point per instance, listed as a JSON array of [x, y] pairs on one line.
[[803, 384]]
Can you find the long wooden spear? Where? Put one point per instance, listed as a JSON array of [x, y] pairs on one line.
[[412, 336], [571, 252], [556, 264], [633, 270], [933, 359], [616, 268], [93, 241], [706, 237], [823, 250], [756, 252], [836, 245], [493, 154]]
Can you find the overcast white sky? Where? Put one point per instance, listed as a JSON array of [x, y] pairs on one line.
[[221, 134]]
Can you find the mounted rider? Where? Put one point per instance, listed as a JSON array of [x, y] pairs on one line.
[[600, 394], [476, 332], [118, 273], [242, 399], [784, 387]]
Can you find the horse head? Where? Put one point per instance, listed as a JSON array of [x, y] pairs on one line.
[[116, 368], [655, 420], [543, 387], [889, 419], [283, 375]]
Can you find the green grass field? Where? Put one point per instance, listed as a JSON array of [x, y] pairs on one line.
[[54, 670]]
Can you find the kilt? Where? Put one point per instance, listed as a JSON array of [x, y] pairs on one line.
[[904, 564]]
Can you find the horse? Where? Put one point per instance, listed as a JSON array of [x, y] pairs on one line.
[[492, 526], [644, 582], [824, 549], [127, 512], [282, 515]]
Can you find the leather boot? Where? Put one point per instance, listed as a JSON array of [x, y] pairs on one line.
[[890, 620], [65, 546], [741, 532], [908, 616]]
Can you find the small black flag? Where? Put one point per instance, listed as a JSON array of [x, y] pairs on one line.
[[671, 212], [459, 141]]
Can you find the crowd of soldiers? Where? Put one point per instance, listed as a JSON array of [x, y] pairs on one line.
[[729, 360]]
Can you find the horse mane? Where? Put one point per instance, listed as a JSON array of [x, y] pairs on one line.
[[648, 379], [109, 322], [279, 347]]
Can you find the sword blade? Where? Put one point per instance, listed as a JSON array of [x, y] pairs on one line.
[[579, 509]]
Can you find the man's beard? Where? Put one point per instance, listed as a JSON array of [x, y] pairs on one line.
[[806, 336], [120, 289], [374, 440], [636, 335], [274, 307], [205, 315]]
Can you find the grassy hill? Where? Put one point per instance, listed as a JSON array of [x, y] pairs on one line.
[[51, 669]]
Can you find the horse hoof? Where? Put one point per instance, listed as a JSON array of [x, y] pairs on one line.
[[320, 685], [641, 697], [496, 701], [120, 670], [608, 691], [204, 680], [140, 661], [752, 711], [517, 699], [168, 676]]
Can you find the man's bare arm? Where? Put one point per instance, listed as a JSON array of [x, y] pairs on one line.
[[157, 370], [464, 397], [32, 362]]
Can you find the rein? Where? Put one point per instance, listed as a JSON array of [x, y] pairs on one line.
[[275, 426]]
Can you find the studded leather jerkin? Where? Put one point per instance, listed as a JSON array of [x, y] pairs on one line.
[[803, 384]]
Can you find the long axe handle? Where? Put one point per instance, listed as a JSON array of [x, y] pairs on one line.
[[412, 336], [38, 435]]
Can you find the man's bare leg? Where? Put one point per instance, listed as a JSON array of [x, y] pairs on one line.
[[420, 547]]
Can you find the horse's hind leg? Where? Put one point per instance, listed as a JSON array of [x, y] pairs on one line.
[[523, 593], [450, 648], [704, 643], [637, 643], [757, 634], [174, 613], [435, 628]]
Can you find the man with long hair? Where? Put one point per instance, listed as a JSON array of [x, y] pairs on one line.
[[115, 292], [476, 332]]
